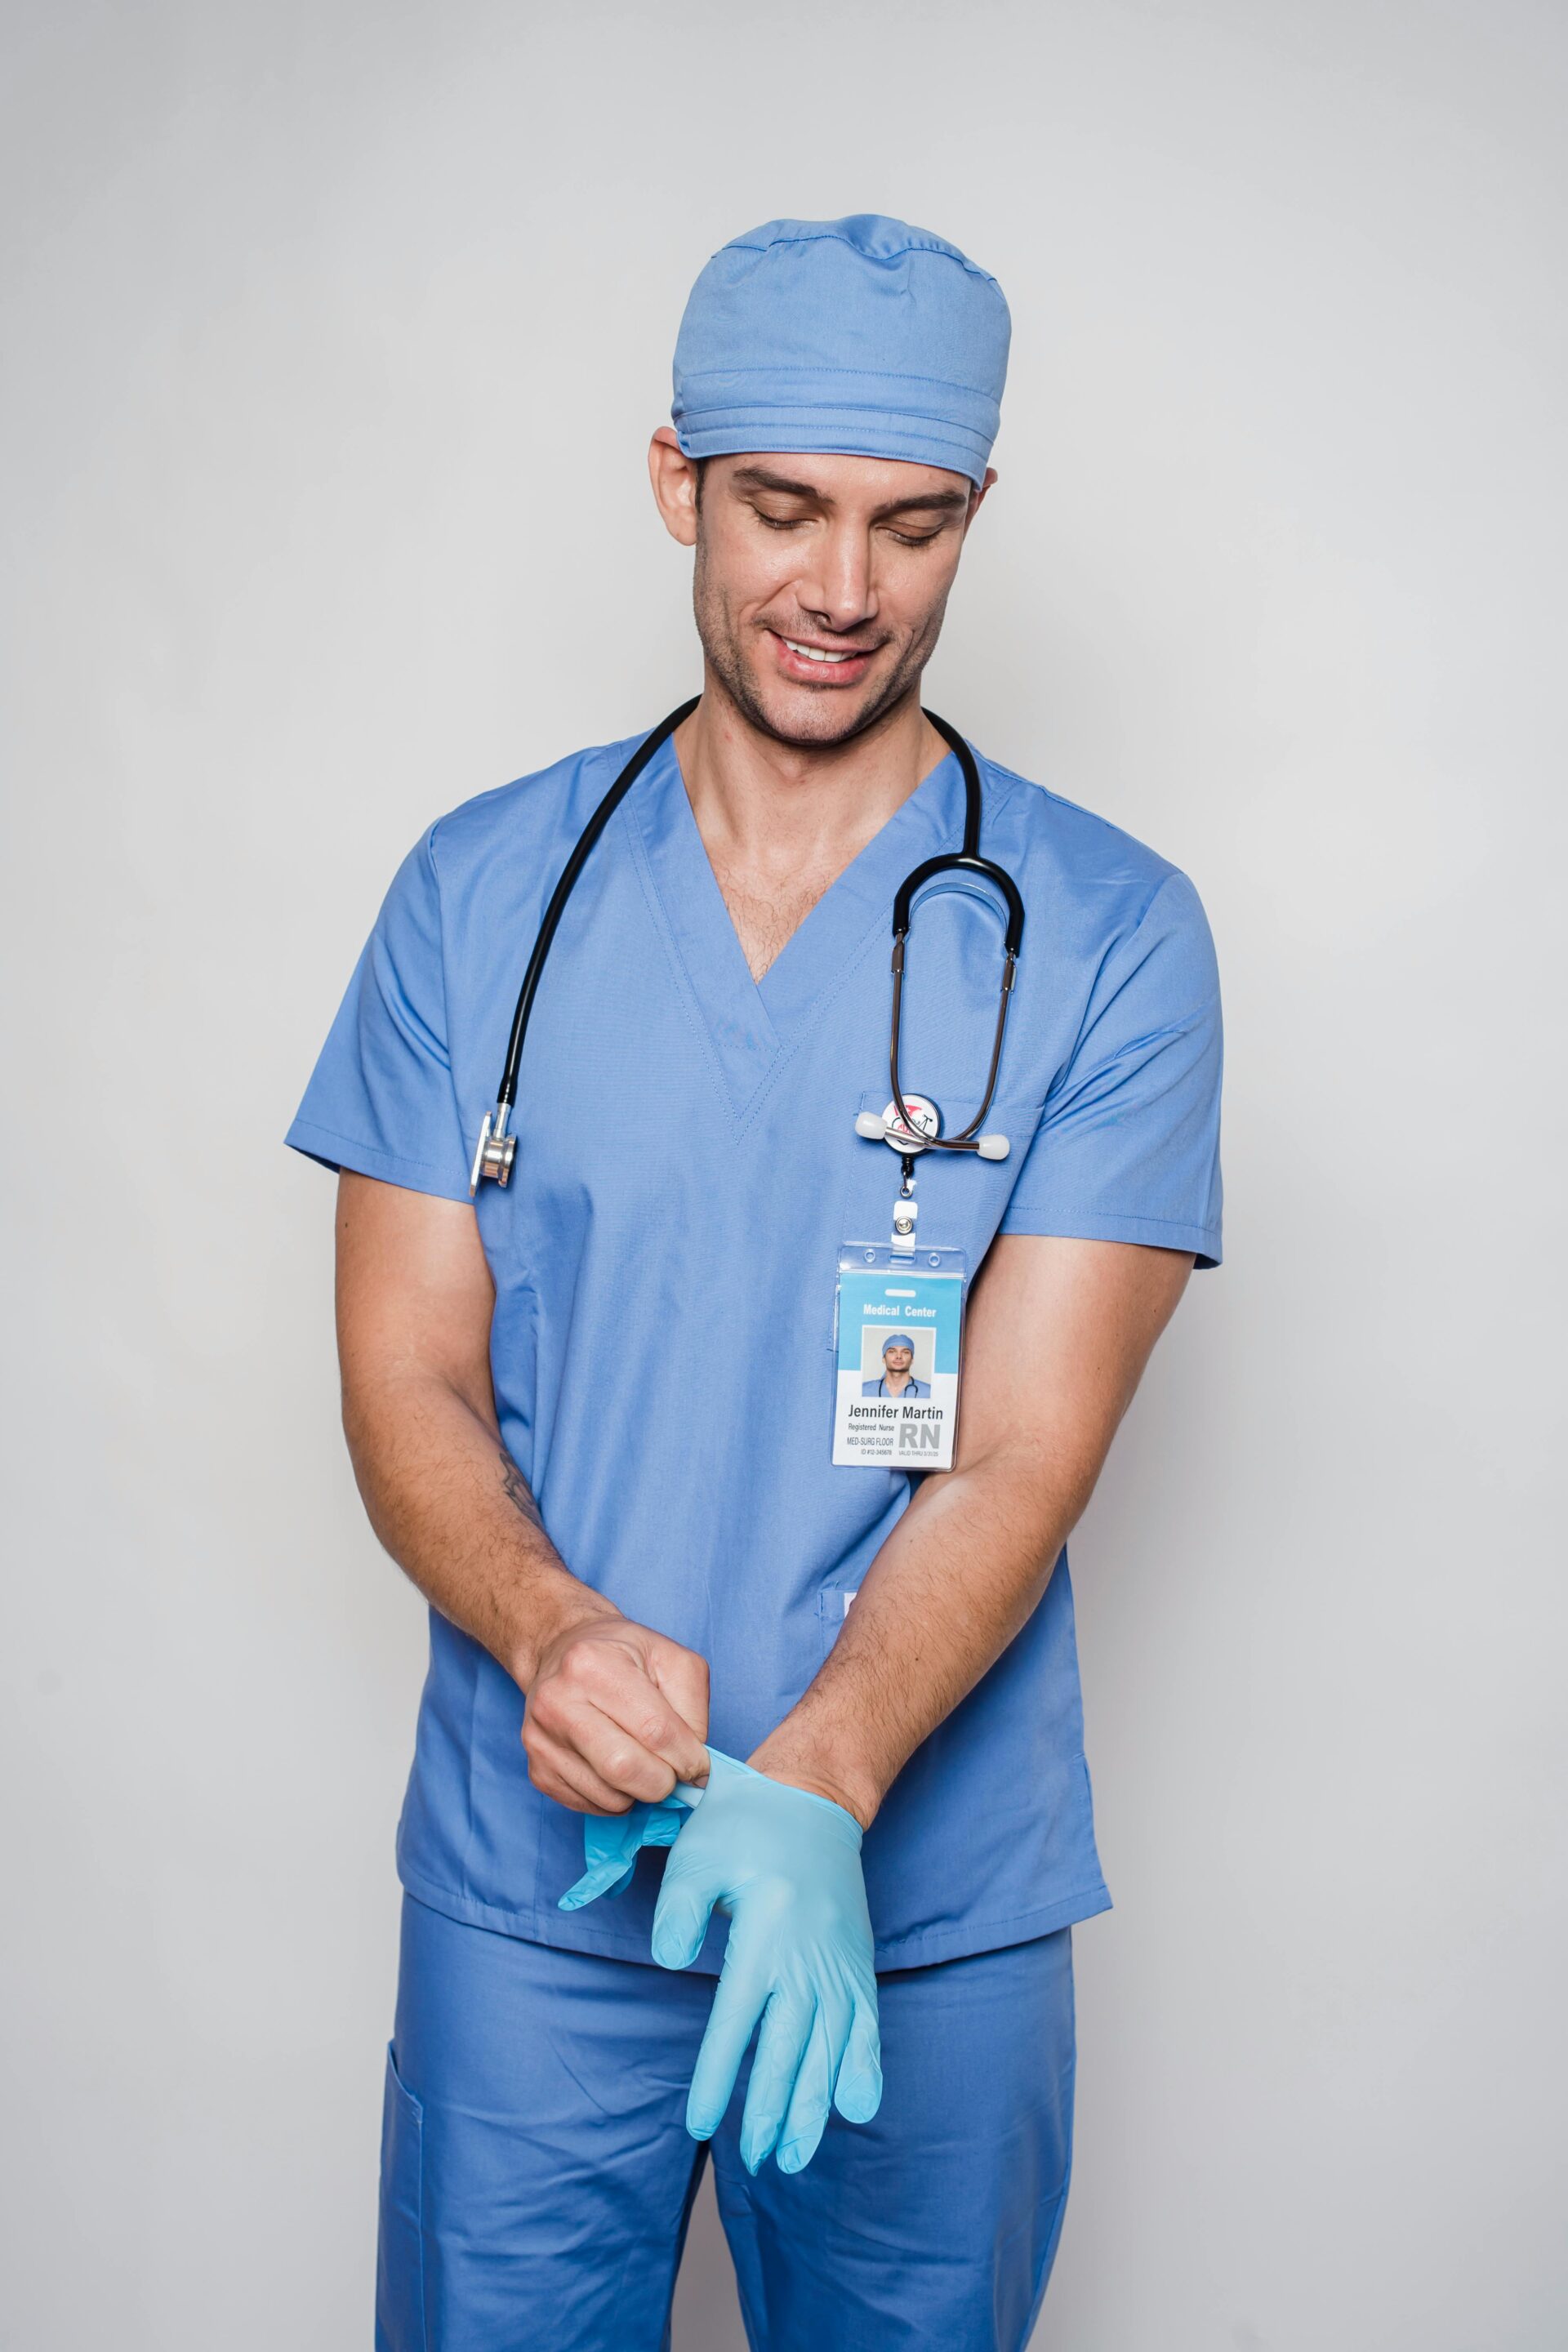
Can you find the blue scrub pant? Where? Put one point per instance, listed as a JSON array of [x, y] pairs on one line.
[[537, 2176]]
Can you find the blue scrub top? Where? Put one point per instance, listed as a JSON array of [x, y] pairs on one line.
[[880, 1387], [686, 1171]]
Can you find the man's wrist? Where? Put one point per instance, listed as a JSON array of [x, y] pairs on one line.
[[804, 1763], [553, 1611]]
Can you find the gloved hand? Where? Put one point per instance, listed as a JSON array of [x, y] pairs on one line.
[[786, 1866], [611, 1843]]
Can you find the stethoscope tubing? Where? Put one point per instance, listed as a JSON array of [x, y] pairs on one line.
[[563, 889], [966, 860]]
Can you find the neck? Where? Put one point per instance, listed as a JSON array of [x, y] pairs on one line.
[[798, 808]]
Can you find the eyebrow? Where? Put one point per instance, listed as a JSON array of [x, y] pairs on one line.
[[759, 477]]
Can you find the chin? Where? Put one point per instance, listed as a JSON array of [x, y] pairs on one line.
[[808, 716], [809, 729]]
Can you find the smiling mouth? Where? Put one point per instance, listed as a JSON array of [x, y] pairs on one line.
[[827, 664], [817, 654]]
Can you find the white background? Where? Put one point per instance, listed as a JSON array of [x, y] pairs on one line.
[[335, 335]]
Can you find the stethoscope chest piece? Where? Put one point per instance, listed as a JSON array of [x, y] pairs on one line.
[[497, 1150]]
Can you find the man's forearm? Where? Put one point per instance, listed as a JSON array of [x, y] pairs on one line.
[[1059, 1332], [956, 1579], [616, 1712], [453, 1509]]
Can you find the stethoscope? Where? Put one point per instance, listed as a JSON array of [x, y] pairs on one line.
[[909, 1125]]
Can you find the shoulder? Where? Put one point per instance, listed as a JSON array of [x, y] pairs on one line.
[[1087, 874], [530, 816]]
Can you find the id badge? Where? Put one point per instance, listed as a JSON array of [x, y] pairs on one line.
[[900, 1332]]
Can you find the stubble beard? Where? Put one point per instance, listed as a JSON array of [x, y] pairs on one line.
[[722, 651]]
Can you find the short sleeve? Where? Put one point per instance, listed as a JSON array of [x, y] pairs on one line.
[[381, 1100], [1128, 1145]]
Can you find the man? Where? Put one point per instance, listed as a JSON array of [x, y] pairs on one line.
[[898, 1369], [624, 1511]]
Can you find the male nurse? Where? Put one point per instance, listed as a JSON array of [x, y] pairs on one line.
[[898, 1377], [655, 1738]]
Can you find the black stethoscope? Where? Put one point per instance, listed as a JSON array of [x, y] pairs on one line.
[[907, 1130]]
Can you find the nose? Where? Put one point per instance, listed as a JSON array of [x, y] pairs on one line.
[[837, 587]]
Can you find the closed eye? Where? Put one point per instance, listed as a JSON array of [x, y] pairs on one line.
[[793, 522]]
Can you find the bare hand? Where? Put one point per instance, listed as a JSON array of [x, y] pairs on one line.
[[616, 1713]]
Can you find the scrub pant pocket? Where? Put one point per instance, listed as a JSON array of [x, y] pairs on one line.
[[400, 2254]]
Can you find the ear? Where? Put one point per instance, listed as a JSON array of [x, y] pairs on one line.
[[977, 497], [674, 477]]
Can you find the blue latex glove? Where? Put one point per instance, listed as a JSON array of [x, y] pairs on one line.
[[612, 1844], [786, 1866]]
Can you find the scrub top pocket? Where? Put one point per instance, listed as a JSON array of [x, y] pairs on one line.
[[833, 1607], [962, 1198]]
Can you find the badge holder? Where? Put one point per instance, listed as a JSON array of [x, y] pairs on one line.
[[898, 1329]]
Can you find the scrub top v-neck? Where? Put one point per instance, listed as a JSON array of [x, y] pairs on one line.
[[665, 1259], [755, 1025]]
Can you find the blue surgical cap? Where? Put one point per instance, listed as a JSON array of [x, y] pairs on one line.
[[863, 336], [898, 1340]]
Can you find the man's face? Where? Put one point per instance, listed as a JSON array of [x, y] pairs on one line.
[[820, 583], [898, 1360]]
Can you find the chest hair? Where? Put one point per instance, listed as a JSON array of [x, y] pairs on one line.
[[767, 912]]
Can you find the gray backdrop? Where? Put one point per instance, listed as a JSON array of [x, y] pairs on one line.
[[336, 332]]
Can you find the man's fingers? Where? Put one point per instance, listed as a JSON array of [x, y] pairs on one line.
[[858, 2092], [641, 1701], [782, 2043], [605, 1701], [682, 1676], [645, 1713], [559, 1772], [685, 1906], [811, 2095], [729, 2027], [618, 1693], [609, 1748]]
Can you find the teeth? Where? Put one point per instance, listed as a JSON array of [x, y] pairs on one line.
[[813, 653]]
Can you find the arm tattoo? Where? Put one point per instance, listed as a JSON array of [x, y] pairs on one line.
[[514, 1487]]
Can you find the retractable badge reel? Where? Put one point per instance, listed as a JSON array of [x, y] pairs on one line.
[[900, 1321]]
